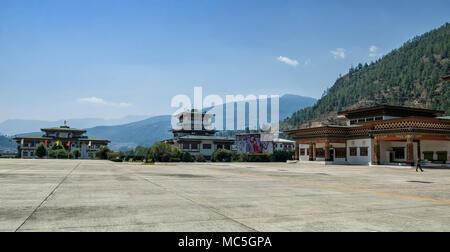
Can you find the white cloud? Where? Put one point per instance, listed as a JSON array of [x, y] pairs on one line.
[[95, 100], [373, 51], [339, 53], [288, 61]]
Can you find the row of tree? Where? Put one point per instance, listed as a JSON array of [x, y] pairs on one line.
[[162, 152], [56, 151]]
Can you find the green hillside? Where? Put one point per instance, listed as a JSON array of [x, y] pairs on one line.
[[408, 76]]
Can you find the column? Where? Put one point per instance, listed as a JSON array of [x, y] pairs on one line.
[[311, 150], [297, 151], [376, 151], [346, 151], [327, 151], [419, 155], [314, 152], [410, 150]]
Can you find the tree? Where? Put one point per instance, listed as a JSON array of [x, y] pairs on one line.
[[102, 153], [199, 157], [41, 151], [113, 156], [140, 153], [58, 154], [162, 152], [222, 155]]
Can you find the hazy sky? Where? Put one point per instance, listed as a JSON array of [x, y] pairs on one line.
[[75, 59]]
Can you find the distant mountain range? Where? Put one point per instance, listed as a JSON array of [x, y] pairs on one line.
[[16, 127], [154, 129]]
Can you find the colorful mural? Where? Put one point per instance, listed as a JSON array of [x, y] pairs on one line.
[[254, 143]]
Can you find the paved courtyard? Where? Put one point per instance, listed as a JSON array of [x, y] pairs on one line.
[[57, 195]]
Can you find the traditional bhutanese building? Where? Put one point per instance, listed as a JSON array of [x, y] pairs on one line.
[[69, 138], [378, 135], [193, 135]]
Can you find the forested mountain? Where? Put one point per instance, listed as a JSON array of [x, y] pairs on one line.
[[408, 76]]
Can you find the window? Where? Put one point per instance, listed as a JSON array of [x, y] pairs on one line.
[[353, 122], [378, 118], [370, 119], [307, 152], [186, 146], [399, 152], [362, 120], [227, 147], [364, 151], [442, 155], [207, 146], [320, 153], [340, 152], [428, 155], [353, 151], [302, 152], [194, 146]]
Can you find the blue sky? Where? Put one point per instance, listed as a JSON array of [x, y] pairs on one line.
[[76, 59]]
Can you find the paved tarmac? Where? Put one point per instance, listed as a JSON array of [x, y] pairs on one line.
[[72, 195]]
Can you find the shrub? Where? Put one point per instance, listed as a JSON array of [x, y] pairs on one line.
[[102, 153], [281, 156], [76, 153], [243, 157], [41, 151], [187, 157], [235, 156], [174, 159], [62, 154], [140, 153], [259, 158], [199, 157], [58, 154], [112, 155], [162, 152], [222, 155]]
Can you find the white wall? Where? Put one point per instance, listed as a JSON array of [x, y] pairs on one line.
[[358, 159], [435, 146], [386, 147]]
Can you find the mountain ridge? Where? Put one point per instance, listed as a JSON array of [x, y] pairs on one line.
[[408, 76]]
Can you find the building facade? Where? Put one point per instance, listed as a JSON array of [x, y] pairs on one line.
[[388, 135], [280, 144], [68, 138], [194, 136]]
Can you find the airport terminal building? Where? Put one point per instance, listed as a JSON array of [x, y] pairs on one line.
[[381, 135], [69, 138], [194, 136]]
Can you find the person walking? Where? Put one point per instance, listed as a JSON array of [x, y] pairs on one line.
[[418, 166]]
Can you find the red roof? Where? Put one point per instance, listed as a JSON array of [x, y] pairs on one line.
[[389, 107]]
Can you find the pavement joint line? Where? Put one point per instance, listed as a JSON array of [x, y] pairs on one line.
[[342, 188], [193, 201], [48, 196], [124, 225]]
